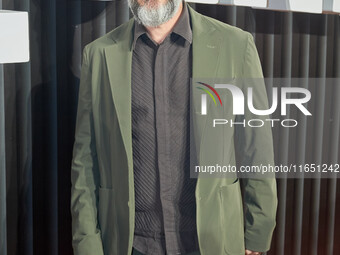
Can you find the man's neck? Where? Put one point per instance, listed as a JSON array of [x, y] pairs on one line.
[[159, 33]]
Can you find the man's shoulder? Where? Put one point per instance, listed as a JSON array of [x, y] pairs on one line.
[[109, 38], [231, 32]]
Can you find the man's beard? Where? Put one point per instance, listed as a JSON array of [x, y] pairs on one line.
[[152, 14]]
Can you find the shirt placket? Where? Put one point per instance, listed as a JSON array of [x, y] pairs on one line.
[[163, 144]]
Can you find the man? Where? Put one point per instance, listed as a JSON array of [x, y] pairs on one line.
[[131, 192]]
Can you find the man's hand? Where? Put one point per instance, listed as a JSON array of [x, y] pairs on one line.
[[248, 252]]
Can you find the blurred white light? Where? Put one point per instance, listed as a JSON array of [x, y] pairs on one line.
[[312, 6], [203, 1], [331, 5], [252, 3], [14, 38]]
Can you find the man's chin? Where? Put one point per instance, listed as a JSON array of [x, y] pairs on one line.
[[147, 12]]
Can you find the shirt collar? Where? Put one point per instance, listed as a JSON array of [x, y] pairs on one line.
[[182, 27]]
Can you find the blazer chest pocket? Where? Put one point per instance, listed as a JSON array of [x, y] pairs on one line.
[[232, 218]]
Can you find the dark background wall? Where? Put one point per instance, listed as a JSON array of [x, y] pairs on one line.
[[40, 110]]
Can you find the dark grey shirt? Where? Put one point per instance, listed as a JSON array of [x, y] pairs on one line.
[[165, 219]]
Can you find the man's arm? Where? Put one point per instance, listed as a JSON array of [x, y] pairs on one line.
[[254, 147], [86, 237]]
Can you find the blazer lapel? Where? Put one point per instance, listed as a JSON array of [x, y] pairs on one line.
[[118, 57], [206, 46], [205, 51]]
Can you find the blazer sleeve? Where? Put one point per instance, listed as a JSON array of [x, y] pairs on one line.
[[254, 146], [86, 236]]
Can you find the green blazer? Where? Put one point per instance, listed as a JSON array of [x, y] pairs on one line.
[[102, 195]]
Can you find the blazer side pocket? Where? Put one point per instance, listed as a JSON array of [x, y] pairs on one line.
[[232, 218]]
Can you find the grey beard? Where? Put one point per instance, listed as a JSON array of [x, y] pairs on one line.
[[154, 16]]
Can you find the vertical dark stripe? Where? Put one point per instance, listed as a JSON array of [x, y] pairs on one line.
[[268, 54], [3, 232], [333, 142], [3, 223], [231, 15], [287, 45], [49, 61], [64, 110], [24, 138], [240, 19], [318, 136], [304, 22], [99, 22], [284, 133], [250, 21], [123, 14], [24, 152], [111, 16], [268, 45], [75, 20]]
